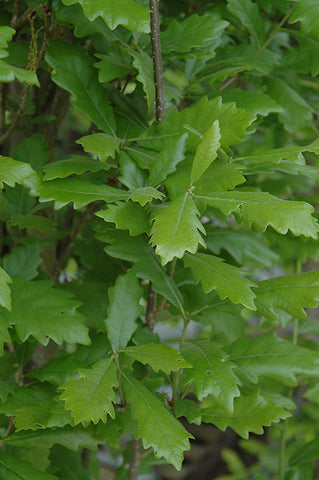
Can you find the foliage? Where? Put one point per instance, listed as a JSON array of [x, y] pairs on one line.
[[116, 223]]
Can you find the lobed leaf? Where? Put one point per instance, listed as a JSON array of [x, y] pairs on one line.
[[100, 144], [226, 279], [5, 294], [45, 312], [12, 468], [144, 195], [90, 397], [271, 356], [250, 17], [123, 310], [127, 216], [262, 209], [170, 155], [12, 172], [307, 13], [77, 165], [144, 65], [176, 229], [212, 373], [169, 439], [158, 357], [206, 152]]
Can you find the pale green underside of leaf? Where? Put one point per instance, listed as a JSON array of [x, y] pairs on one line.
[[127, 216], [158, 357], [157, 427], [262, 209], [74, 71], [12, 468], [44, 312], [123, 310], [100, 144], [225, 278], [77, 165], [145, 195], [251, 413], [91, 396], [5, 294], [75, 189], [290, 293], [12, 171], [271, 356], [206, 152], [169, 157], [176, 229], [211, 374], [147, 265], [128, 13]]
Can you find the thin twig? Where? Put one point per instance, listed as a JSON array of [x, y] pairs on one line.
[[15, 13], [135, 459], [7, 432], [157, 61]]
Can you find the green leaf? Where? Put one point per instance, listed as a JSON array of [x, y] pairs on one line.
[[77, 165], [43, 414], [169, 439], [12, 468], [6, 34], [244, 246], [296, 113], [100, 144], [91, 396], [226, 279], [45, 312], [158, 357], [262, 209], [4, 337], [206, 152], [111, 67], [122, 12], [144, 65], [12, 172], [74, 71], [271, 356], [144, 195], [176, 229], [73, 189], [127, 216], [123, 310], [32, 150], [250, 17], [188, 409], [288, 153], [170, 155], [193, 32], [5, 294], [42, 224], [255, 103], [251, 413], [212, 373], [23, 261], [307, 13], [290, 293], [8, 371], [8, 73], [147, 265], [309, 45]]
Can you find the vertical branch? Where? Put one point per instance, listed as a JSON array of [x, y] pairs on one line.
[[157, 61], [136, 456]]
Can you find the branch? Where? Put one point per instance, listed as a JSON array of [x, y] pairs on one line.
[[157, 61]]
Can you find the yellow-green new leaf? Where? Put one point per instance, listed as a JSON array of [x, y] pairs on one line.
[[226, 279], [206, 151], [157, 427], [212, 373], [176, 229], [91, 396], [100, 144], [158, 357], [5, 294], [262, 209]]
